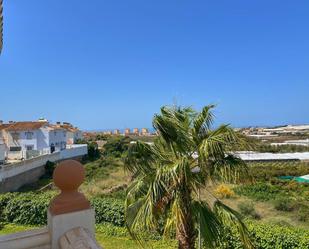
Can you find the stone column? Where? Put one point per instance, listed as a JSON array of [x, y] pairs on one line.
[[70, 209]]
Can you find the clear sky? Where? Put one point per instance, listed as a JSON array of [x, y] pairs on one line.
[[105, 64]]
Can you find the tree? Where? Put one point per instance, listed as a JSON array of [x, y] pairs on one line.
[[168, 176], [116, 146]]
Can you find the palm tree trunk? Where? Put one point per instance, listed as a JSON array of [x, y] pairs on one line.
[[185, 232]]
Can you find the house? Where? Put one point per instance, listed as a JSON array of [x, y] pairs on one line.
[[2, 151], [73, 133], [127, 132], [3, 147], [117, 132], [145, 132], [28, 139]]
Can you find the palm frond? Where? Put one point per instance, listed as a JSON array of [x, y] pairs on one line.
[[173, 126], [230, 218], [202, 122], [210, 226], [215, 143], [140, 158], [231, 169]]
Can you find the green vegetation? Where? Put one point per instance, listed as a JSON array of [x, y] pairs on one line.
[[31, 208], [109, 236], [266, 236], [185, 157], [285, 148], [259, 191], [285, 199], [284, 204], [116, 146], [265, 171], [276, 211], [113, 235], [93, 150], [247, 209], [266, 146]]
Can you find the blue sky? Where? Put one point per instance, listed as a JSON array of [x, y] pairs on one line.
[[106, 64]]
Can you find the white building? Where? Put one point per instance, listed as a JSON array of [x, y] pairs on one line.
[[2, 151], [73, 133], [27, 139]]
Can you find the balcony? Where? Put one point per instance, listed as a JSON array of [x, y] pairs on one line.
[[70, 221]]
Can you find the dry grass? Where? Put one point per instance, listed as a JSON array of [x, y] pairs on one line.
[[265, 210], [115, 178]]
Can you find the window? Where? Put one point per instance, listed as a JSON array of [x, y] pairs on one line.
[[29, 135], [15, 148], [64, 133], [29, 147], [55, 133], [15, 136]]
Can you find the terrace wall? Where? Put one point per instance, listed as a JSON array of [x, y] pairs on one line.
[[13, 176]]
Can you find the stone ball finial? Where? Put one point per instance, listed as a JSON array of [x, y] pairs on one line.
[[68, 176]]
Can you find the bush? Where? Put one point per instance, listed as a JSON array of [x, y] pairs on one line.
[[259, 191], [31, 208], [284, 204], [26, 209], [224, 191], [108, 210], [247, 209], [303, 214], [270, 236], [267, 170], [93, 151], [49, 169], [116, 146]]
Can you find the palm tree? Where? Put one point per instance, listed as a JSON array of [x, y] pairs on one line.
[[168, 175], [1, 26]]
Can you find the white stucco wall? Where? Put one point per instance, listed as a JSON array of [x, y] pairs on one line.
[[58, 137], [2, 152], [78, 135], [22, 140], [72, 137], [43, 139], [26, 165]]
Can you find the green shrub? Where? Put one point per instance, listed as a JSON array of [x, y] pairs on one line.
[[108, 210], [259, 191], [262, 171], [31, 208], [49, 169], [303, 214], [116, 146], [270, 236], [27, 209], [284, 204], [247, 209]]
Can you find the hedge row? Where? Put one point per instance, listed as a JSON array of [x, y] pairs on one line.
[[271, 236], [31, 209]]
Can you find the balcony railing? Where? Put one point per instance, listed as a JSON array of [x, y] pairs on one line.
[[70, 222]]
